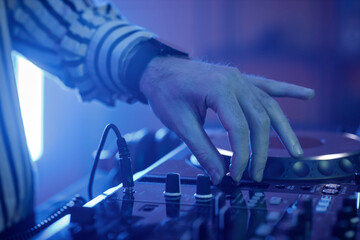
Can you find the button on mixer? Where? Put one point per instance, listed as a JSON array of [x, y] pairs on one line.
[[275, 200], [330, 191], [332, 186], [321, 209], [203, 190], [323, 204], [259, 194], [263, 230], [273, 216], [172, 187], [305, 187]]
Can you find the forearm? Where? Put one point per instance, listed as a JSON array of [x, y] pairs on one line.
[[86, 47]]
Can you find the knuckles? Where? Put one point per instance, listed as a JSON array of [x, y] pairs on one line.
[[202, 156], [225, 81], [242, 128], [271, 104], [262, 122]]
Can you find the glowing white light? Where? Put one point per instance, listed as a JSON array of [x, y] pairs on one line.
[[30, 84], [225, 152]]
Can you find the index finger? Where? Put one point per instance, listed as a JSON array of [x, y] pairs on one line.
[[233, 120], [259, 124], [191, 131]]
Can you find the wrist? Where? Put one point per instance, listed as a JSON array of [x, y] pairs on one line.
[[145, 54], [159, 70]]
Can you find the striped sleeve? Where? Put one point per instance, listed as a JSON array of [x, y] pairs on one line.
[[16, 176], [85, 46]]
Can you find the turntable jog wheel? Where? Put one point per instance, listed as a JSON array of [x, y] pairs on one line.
[[326, 156]]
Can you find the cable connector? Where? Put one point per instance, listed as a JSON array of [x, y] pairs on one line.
[[124, 156], [125, 165]]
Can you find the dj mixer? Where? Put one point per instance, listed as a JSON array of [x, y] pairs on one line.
[[314, 197]]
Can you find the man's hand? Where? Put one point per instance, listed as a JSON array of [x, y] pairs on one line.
[[180, 91]]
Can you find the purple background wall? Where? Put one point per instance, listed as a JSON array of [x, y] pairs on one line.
[[311, 43]]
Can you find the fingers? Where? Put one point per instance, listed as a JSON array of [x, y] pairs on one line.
[[233, 120], [190, 130], [280, 124], [281, 89], [259, 124]]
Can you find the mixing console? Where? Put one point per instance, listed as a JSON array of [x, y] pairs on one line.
[[172, 199]]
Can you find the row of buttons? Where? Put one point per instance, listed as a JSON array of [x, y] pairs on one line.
[[282, 186], [323, 204], [253, 201], [331, 189]]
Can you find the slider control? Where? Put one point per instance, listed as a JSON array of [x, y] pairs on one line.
[[172, 187], [203, 190]]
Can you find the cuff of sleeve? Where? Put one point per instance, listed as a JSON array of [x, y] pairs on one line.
[[137, 61]]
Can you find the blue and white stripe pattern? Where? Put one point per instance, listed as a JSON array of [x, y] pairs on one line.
[[16, 176], [85, 46]]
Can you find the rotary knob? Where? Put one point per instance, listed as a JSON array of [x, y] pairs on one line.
[[172, 186], [203, 188]]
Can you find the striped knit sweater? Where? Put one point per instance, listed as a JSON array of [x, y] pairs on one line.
[[87, 47]]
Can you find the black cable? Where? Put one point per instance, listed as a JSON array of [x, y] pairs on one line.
[[125, 161], [97, 157], [127, 180], [77, 200]]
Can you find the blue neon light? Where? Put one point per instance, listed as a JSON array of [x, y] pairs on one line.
[[30, 84]]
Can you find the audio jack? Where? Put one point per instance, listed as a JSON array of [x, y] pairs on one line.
[[125, 161]]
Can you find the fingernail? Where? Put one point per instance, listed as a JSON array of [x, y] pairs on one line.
[[298, 150], [259, 175], [311, 93]]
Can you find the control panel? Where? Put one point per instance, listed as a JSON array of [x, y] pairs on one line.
[[172, 199]]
